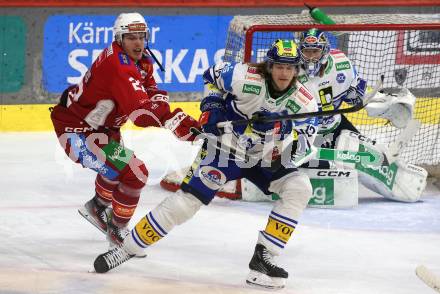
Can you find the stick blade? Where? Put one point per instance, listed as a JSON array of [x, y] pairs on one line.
[[428, 277]]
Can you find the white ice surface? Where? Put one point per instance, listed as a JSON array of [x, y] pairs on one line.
[[46, 247]]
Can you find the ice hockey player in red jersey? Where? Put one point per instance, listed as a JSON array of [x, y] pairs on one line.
[[118, 86]]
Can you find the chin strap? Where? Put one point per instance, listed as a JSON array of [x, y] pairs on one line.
[[155, 58]]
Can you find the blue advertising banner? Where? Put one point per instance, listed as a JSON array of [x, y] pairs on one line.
[[185, 45]]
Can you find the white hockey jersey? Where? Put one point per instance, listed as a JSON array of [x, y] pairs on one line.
[[331, 89], [246, 92]]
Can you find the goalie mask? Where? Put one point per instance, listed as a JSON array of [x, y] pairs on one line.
[[128, 23], [284, 52], [314, 50]]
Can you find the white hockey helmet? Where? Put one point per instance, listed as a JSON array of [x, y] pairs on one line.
[[130, 23]]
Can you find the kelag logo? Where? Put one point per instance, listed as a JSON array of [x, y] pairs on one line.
[[185, 45]]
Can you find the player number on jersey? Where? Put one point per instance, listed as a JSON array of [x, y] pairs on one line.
[[136, 85]]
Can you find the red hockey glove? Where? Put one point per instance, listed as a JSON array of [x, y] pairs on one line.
[[180, 124], [153, 111]]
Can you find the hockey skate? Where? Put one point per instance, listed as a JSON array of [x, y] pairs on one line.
[[116, 235], [264, 272], [111, 259], [96, 214]]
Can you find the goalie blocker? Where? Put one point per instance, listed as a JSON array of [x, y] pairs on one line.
[[397, 180]]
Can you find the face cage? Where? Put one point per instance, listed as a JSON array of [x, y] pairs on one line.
[[312, 68]]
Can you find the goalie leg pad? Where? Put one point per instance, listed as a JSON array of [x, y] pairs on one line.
[[333, 188], [397, 181], [171, 182], [409, 183]]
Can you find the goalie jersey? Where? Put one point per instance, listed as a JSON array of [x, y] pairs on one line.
[[245, 92], [332, 87]]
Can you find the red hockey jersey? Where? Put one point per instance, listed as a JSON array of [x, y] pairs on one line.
[[116, 88]]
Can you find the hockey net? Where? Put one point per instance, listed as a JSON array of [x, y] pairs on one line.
[[403, 48]]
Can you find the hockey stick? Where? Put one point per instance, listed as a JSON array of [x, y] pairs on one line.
[[428, 277], [354, 108], [155, 59], [326, 154]]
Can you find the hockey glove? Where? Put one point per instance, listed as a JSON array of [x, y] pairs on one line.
[[356, 92], [281, 128], [180, 124], [213, 112]]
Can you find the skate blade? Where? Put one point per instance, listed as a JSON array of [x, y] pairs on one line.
[[265, 287], [428, 277], [259, 280], [85, 214]]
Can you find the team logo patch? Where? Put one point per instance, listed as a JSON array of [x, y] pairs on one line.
[[124, 59], [251, 89], [212, 177], [293, 106], [117, 154], [340, 78], [306, 93], [311, 39], [343, 65], [136, 27], [303, 79]]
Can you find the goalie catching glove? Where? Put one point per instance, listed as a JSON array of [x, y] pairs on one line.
[[397, 108]]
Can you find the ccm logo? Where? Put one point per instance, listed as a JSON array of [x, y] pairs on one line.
[[333, 173], [78, 130], [363, 138]]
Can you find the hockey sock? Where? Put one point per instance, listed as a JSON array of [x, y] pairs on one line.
[[125, 200], [104, 190], [147, 231], [278, 230]]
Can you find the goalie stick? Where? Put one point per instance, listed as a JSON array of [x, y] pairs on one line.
[[428, 277]]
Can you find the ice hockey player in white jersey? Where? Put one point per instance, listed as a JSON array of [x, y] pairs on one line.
[[241, 91], [331, 75]]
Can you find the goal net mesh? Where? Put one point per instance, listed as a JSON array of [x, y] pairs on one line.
[[407, 54]]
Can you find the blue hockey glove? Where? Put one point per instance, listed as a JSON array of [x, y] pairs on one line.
[[213, 112], [356, 92], [282, 128]]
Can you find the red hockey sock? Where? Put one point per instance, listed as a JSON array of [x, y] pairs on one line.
[[104, 189], [125, 200]]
